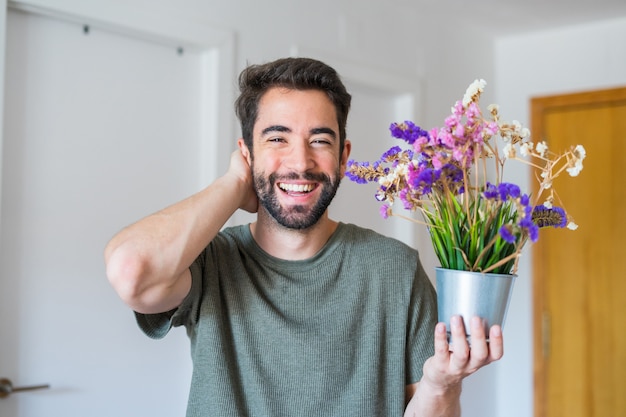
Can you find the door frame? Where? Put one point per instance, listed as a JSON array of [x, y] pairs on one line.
[[216, 47], [539, 106]]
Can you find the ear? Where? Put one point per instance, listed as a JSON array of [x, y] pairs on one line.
[[347, 147], [244, 150]]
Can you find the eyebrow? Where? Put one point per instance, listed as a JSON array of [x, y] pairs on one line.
[[275, 128], [324, 130], [314, 131]]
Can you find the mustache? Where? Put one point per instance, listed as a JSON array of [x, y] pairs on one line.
[[294, 176]]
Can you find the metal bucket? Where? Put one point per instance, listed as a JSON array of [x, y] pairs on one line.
[[470, 294]]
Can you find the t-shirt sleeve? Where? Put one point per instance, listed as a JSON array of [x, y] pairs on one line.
[[422, 322], [156, 326]]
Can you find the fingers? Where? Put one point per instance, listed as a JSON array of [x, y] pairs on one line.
[[496, 343], [240, 170], [479, 351], [459, 345], [457, 359], [441, 341]]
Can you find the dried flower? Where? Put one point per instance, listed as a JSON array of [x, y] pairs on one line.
[[474, 224]]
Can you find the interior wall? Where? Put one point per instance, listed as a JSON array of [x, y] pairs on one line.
[[577, 58]]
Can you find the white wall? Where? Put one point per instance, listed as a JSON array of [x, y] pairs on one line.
[[577, 58]]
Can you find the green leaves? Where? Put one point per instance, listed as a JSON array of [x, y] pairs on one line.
[[465, 234]]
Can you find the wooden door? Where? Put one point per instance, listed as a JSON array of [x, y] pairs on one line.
[[579, 277]]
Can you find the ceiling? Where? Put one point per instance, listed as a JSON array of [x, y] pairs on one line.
[[503, 17]]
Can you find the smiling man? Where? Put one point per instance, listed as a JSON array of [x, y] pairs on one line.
[[294, 314]]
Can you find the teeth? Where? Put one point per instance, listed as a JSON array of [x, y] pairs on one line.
[[296, 188]]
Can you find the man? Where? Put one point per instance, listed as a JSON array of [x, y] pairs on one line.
[[294, 314]]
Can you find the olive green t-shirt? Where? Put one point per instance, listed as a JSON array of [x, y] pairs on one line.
[[339, 334]]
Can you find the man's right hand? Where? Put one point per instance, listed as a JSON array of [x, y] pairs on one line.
[[241, 169]]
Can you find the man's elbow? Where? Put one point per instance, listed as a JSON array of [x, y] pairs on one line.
[[126, 273]]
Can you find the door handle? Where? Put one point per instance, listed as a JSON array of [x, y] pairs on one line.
[[7, 388]]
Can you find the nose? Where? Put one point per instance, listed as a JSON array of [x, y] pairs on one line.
[[300, 158]]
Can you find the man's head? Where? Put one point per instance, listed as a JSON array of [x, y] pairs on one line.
[[293, 115], [294, 74]]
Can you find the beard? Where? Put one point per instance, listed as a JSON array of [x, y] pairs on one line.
[[296, 216]]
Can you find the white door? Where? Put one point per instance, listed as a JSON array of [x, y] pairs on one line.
[[99, 130], [376, 103], [372, 111]]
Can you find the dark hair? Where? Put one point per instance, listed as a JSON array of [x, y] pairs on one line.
[[291, 73]]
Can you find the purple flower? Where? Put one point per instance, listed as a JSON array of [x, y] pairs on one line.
[[352, 171], [391, 153], [549, 217], [507, 234], [525, 200], [508, 190], [453, 173], [531, 228], [503, 191], [407, 131], [491, 192], [425, 179]]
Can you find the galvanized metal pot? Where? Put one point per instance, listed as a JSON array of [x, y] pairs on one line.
[[471, 294]]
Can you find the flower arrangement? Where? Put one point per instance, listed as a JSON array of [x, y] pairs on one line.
[[475, 224]]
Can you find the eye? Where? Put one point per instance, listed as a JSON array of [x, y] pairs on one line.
[[322, 141], [276, 139]]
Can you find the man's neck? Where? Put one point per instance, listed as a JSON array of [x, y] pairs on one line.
[[292, 244]]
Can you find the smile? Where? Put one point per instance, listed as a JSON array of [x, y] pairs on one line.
[[296, 188]]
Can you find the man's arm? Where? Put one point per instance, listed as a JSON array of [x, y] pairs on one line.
[[438, 393], [147, 263]]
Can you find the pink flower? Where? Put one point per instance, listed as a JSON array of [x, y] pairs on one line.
[[437, 163], [459, 131], [384, 211], [458, 154], [419, 143]]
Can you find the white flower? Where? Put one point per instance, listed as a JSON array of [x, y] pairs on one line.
[[548, 204], [400, 170], [547, 180], [572, 226], [475, 88], [525, 148], [580, 152], [542, 147], [387, 180], [525, 132], [380, 196], [575, 170], [509, 151], [493, 109]]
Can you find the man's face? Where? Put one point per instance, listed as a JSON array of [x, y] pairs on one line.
[[296, 162]]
